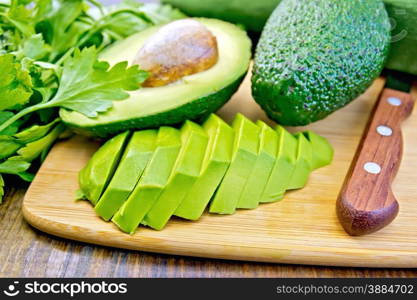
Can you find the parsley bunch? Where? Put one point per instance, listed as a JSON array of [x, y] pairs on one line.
[[49, 59]]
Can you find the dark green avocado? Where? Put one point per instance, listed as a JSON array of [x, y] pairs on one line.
[[316, 56], [250, 13], [403, 14], [193, 97]]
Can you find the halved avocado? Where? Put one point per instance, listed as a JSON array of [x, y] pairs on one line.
[[193, 97]]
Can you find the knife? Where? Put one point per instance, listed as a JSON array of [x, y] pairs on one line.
[[366, 202]]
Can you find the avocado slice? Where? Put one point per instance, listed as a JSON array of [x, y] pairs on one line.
[[303, 163], [322, 150], [186, 170], [258, 179], [95, 176], [216, 161], [306, 66], [193, 97], [245, 153], [132, 164], [152, 182], [282, 172]]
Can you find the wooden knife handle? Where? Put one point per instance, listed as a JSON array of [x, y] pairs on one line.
[[366, 202]]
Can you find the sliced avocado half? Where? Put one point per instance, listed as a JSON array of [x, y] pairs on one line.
[[191, 98]]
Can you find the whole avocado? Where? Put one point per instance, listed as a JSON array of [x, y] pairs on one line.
[[250, 13], [316, 56]]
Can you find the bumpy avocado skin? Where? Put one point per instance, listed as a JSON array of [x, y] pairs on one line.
[[250, 13], [197, 110], [316, 56]]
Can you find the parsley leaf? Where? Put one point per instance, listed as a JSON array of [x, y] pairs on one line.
[[12, 129], [35, 132], [14, 165], [21, 17], [35, 47], [89, 87], [62, 27], [33, 149], [160, 14], [15, 83], [8, 146]]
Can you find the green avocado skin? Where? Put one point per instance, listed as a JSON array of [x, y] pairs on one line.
[[403, 14], [316, 56], [250, 13], [196, 110]]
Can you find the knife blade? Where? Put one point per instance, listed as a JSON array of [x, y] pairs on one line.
[[366, 202]]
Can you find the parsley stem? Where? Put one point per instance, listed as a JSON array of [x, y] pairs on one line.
[[22, 113]]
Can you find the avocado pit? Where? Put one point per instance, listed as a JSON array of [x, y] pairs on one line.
[[181, 48]]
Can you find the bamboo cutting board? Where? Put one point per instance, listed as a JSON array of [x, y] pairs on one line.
[[301, 229]]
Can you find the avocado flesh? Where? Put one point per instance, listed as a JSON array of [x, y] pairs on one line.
[[216, 161], [245, 152], [186, 170], [258, 179], [132, 164], [193, 97], [402, 56], [322, 150], [252, 14], [306, 66], [303, 163], [152, 182], [95, 176], [282, 172]]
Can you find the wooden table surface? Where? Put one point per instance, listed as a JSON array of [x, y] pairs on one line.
[[27, 252]]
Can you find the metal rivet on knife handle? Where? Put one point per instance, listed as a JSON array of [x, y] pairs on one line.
[[372, 168], [384, 130], [394, 101]]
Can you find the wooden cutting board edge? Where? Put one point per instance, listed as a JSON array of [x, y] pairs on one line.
[[291, 254]]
